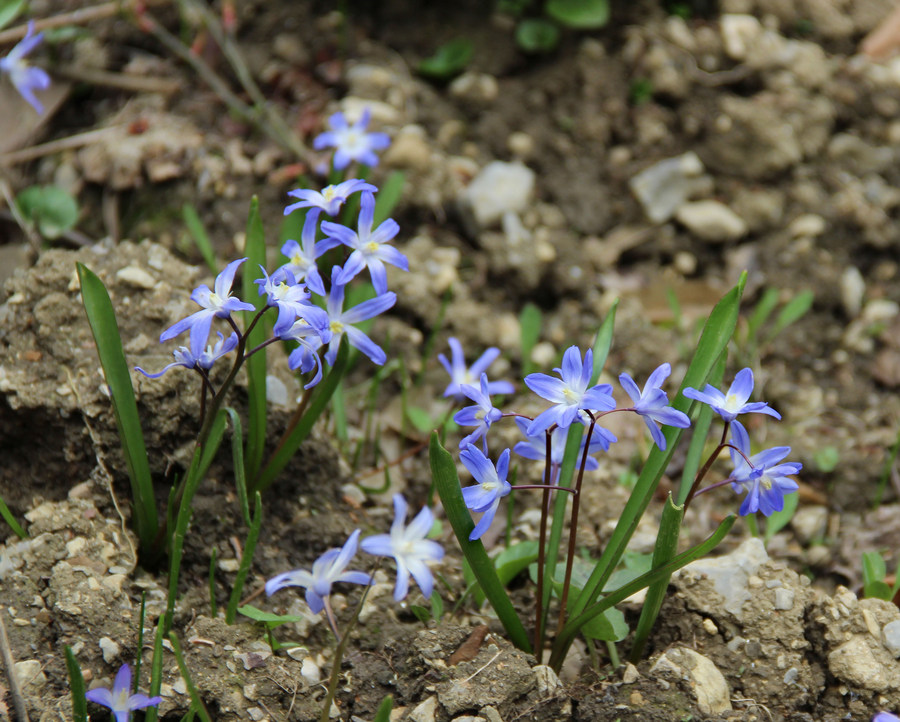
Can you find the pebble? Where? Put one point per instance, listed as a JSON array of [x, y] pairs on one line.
[[30, 673], [424, 711], [499, 188], [546, 680], [711, 221], [809, 523], [784, 599], [137, 277], [310, 671], [475, 88], [891, 633], [707, 682], [631, 674], [409, 149], [521, 145], [807, 225], [110, 649], [665, 186]]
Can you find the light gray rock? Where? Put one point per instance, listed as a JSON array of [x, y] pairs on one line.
[[711, 221], [706, 681], [499, 188], [809, 523], [668, 184], [891, 633]]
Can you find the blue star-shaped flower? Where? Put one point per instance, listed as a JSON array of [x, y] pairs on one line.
[[120, 701], [762, 476], [409, 548], [370, 249], [535, 447], [328, 569], [215, 303], [352, 142], [197, 356], [491, 488], [302, 256], [730, 405], [329, 199], [461, 375], [569, 393], [653, 404], [481, 415], [25, 77]]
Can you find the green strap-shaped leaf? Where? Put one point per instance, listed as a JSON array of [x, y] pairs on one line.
[[11, 520], [200, 237], [246, 560], [156, 664], [76, 687], [716, 334], [102, 320], [446, 480], [564, 641], [196, 702], [237, 457], [388, 196], [256, 365]]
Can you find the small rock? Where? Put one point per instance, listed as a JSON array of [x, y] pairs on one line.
[[546, 679], [409, 149], [711, 221], [854, 662], [521, 145], [276, 391], [666, 185], [707, 682], [739, 33], [784, 599], [30, 673], [499, 188], [310, 671], [137, 277], [809, 523], [475, 88], [853, 288], [425, 711], [631, 674], [891, 633], [110, 649]]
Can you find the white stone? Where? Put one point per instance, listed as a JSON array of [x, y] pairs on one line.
[[891, 633], [499, 188], [475, 87], [546, 679], [853, 288], [664, 186], [110, 649], [425, 711], [30, 673], [310, 671], [707, 682], [739, 33], [276, 391], [784, 599], [137, 277], [808, 225], [711, 221]]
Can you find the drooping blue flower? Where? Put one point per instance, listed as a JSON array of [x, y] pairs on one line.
[[730, 405], [328, 569], [885, 717], [481, 415], [409, 548], [120, 701], [291, 299], [197, 356], [461, 375], [569, 393], [491, 488], [653, 404], [216, 303], [342, 322], [25, 77], [764, 479], [329, 199], [305, 357], [535, 447], [302, 256], [352, 142], [370, 249]]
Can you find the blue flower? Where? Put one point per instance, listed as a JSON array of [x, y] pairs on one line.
[[461, 375], [885, 717], [352, 142], [305, 357], [119, 699], [216, 303], [730, 405], [302, 256], [570, 393], [653, 404], [491, 488], [197, 356], [370, 249], [481, 415], [535, 447], [328, 569], [291, 299], [341, 322], [409, 548], [764, 479], [329, 199], [24, 77]]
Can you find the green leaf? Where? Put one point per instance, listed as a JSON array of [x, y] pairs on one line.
[[9, 11], [389, 195], [535, 35], [199, 236], [196, 701], [246, 561], [793, 311], [779, 520], [827, 458], [256, 365], [450, 59], [579, 14], [51, 209], [446, 480], [420, 418], [764, 308], [530, 325], [437, 606], [509, 563], [102, 319], [384, 710], [11, 520], [76, 687], [610, 626], [156, 664], [268, 618], [423, 614]]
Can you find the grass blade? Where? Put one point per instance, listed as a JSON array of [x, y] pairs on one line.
[[196, 703], [102, 320], [256, 364], [388, 196], [200, 237], [11, 520], [530, 325], [76, 686], [152, 713], [237, 455], [443, 471]]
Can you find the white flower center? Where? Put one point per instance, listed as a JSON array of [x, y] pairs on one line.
[[372, 247], [336, 327]]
